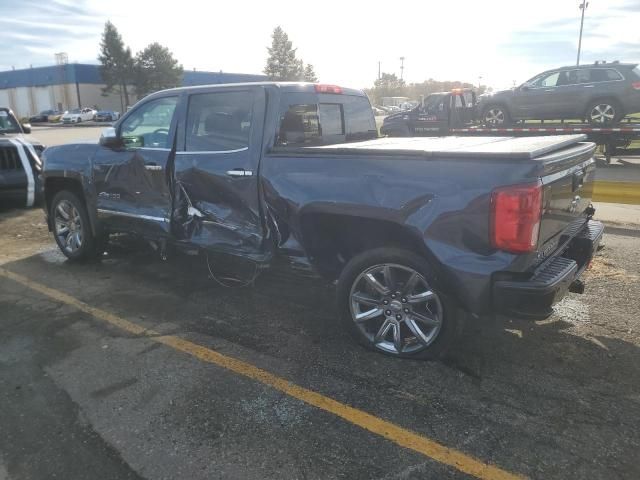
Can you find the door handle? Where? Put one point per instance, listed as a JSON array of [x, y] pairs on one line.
[[152, 166], [239, 172], [587, 86], [550, 90]]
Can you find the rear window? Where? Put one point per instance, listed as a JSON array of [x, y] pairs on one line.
[[636, 70], [308, 119]]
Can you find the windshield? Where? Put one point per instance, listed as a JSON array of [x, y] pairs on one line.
[[8, 123]]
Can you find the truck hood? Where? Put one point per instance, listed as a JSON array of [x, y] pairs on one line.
[[394, 116], [21, 137]]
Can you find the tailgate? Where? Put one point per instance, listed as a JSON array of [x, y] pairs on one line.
[[567, 180]]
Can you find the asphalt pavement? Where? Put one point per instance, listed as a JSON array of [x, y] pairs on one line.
[[124, 368]]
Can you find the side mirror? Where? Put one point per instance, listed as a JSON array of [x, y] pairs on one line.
[[525, 87], [109, 138], [26, 128]]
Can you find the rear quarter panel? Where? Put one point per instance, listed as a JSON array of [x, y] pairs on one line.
[[443, 205]]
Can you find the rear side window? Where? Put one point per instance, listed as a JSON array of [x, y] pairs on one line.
[[604, 75], [636, 70], [307, 120], [219, 122], [575, 77]]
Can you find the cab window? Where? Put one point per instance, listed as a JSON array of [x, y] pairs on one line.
[[148, 126]]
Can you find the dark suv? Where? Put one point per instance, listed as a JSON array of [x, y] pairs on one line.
[[601, 93]]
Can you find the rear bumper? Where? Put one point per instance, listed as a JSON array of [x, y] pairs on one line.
[[533, 298]]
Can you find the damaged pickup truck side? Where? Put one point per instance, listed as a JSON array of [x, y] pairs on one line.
[[417, 233]]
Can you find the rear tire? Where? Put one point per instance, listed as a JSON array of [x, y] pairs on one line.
[[496, 116], [71, 227], [604, 112], [389, 303]]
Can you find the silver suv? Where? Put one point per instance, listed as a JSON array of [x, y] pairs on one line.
[[601, 93]]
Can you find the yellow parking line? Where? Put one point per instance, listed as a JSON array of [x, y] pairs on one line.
[[394, 433], [616, 192]]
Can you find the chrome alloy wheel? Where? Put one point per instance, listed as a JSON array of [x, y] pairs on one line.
[[395, 308], [494, 116], [68, 226], [602, 113]]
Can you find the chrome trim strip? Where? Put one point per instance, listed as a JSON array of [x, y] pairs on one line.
[[133, 215], [209, 152]]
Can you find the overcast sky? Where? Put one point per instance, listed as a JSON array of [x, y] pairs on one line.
[[502, 41]]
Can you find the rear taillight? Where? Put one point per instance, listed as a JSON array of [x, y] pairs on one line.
[[636, 85], [515, 217], [328, 89]]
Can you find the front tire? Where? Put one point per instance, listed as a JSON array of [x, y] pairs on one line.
[[71, 227], [496, 116], [389, 302]]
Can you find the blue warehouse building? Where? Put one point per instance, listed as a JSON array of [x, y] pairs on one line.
[[73, 85]]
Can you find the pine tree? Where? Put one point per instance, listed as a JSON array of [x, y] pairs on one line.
[[282, 63], [156, 69], [309, 74], [116, 62]]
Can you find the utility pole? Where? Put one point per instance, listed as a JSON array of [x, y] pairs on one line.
[[378, 69], [479, 81], [401, 67], [583, 7]]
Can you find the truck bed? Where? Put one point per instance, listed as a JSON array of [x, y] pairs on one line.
[[511, 148]]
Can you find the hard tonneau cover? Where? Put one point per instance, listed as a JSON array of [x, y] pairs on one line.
[[513, 148]]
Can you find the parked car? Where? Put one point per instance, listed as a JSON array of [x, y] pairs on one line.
[[599, 93], [20, 161], [378, 111], [55, 117], [417, 234], [106, 116], [43, 116], [78, 115]]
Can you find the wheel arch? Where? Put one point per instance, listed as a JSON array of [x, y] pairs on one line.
[[331, 240], [53, 185]]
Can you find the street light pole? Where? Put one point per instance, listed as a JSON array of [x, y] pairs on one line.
[[583, 7], [401, 67]]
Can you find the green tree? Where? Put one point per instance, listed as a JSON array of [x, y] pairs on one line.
[[388, 85], [309, 74], [282, 63], [156, 69], [116, 62]]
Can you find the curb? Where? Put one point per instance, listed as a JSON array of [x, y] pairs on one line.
[[621, 229]]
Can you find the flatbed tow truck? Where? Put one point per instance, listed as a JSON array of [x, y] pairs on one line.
[[455, 113]]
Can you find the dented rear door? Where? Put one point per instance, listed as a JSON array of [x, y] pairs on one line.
[[217, 202]]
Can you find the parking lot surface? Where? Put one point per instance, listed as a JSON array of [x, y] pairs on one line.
[[132, 367], [83, 396]]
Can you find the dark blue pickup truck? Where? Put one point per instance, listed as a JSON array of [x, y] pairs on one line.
[[417, 233]]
